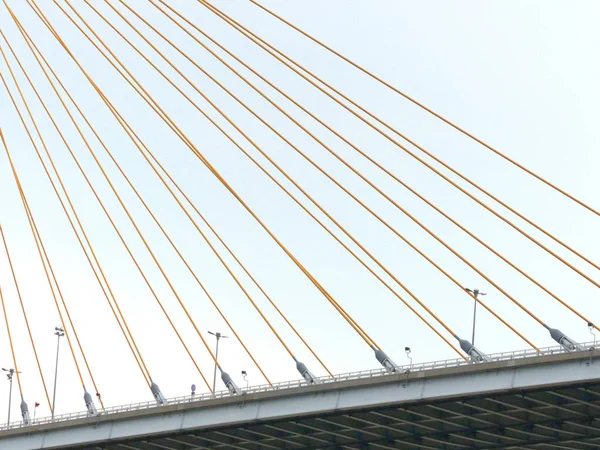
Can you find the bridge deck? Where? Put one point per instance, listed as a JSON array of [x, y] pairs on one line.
[[562, 417], [547, 402]]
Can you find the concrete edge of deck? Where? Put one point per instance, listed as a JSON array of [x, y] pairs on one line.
[[444, 383]]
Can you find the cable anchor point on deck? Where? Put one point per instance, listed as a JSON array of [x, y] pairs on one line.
[[384, 360], [158, 395], [306, 374], [89, 404], [474, 353], [229, 383], [25, 412], [565, 341]]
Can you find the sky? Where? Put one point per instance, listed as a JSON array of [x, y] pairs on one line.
[[519, 75]]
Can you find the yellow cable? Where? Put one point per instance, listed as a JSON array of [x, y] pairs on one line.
[[338, 184], [12, 349], [32, 229], [229, 250], [40, 244], [144, 369], [208, 99], [237, 260], [357, 149], [429, 110], [263, 43], [12, 270], [192, 272], [143, 148], [130, 74], [337, 224], [121, 237], [50, 273], [195, 151], [429, 260], [127, 334]]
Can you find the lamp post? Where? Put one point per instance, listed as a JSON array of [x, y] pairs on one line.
[[476, 293], [218, 336], [9, 377], [58, 332]]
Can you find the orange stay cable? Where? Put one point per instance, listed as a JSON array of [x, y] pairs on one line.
[[155, 68], [12, 349], [461, 289], [130, 132], [46, 261], [430, 111], [36, 151], [336, 223], [62, 321], [137, 141], [196, 152], [135, 261], [108, 288], [225, 245], [233, 255], [275, 306], [145, 242], [12, 270], [192, 272], [120, 235], [46, 264], [85, 251], [422, 149], [245, 107], [357, 149], [354, 197], [40, 245], [260, 42]]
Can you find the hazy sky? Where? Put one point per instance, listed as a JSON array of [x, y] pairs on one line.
[[523, 76]]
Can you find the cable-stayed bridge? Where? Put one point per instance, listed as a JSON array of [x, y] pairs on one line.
[[189, 195]]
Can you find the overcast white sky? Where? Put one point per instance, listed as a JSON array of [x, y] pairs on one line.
[[521, 75]]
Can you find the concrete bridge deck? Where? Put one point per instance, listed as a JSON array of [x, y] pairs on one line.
[[542, 402]]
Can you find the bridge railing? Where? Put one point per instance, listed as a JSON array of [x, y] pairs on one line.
[[412, 368]]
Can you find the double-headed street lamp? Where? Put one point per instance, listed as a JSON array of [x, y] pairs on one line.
[[476, 293], [9, 377], [24, 409], [218, 336]]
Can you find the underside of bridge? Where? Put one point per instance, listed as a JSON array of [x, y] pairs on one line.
[[561, 417]]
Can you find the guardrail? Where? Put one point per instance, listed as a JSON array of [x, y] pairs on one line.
[[448, 363]]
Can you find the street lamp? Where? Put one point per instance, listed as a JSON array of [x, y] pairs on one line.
[[9, 377], [58, 332], [476, 293], [218, 336]]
